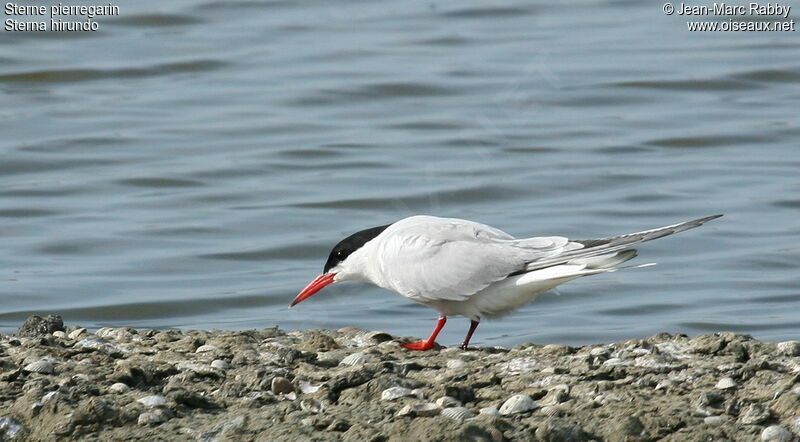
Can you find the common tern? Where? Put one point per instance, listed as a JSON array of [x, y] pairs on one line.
[[460, 267]]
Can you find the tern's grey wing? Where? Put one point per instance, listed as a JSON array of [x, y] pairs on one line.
[[612, 244], [437, 259]]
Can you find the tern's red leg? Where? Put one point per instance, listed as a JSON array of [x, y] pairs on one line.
[[472, 326], [427, 345]]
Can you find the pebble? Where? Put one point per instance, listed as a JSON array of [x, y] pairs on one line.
[[281, 385], [41, 366], [60, 334], [516, 404], [153, 401], [789, 348], [393, 393], [337, 402], [776, 433], [9, 427], [725, 383], [36, 325], [755, 414]]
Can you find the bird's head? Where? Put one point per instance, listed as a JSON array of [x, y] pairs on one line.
[[342, 263]]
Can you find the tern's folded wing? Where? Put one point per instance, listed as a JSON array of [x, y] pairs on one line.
[[456, 265]]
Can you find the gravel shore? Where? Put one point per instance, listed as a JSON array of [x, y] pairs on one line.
[[61, 383]]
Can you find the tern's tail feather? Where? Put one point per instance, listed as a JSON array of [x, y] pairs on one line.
[[594, 248], [606, 261]]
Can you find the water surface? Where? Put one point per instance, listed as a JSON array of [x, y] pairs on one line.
[[191, 164]]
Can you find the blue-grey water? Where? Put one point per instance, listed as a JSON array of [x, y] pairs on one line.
[[191, 163]]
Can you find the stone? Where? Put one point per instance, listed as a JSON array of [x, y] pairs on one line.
[[281, 385], [38, 326], [789, 348]]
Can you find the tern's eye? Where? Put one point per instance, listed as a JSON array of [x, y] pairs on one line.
[[339, 254]]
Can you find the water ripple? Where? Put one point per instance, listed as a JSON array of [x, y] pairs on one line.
[[75, 75]]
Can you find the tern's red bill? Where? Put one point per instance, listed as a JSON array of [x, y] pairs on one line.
[[313, 287]]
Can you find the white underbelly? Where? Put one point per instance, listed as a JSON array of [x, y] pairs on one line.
[[504, 296]]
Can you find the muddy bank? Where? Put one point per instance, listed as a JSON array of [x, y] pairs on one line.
[[351, 384]]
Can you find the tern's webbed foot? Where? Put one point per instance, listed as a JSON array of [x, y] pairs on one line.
[[421, 345]]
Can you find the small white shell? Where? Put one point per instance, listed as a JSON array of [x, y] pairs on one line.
[[59, 334], [726, 383], [354, 359], [454, 364], [368, 338], [713, 420], [489, 411], [118, 388], [206, 348], [517, 366], [49, 396], [448, 402], [220, 364], [81, 377], [77, 333], [306, 387], [311, 405], [551, 411], [152, 401], [519, 403], [393, 393], [41, 366], [114, 334], [776, 433], [457, 413], [148, 418], [795, 425], [421, 410], [664, 384]]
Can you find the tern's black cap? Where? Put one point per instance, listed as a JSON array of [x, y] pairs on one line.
[[350, 244]]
